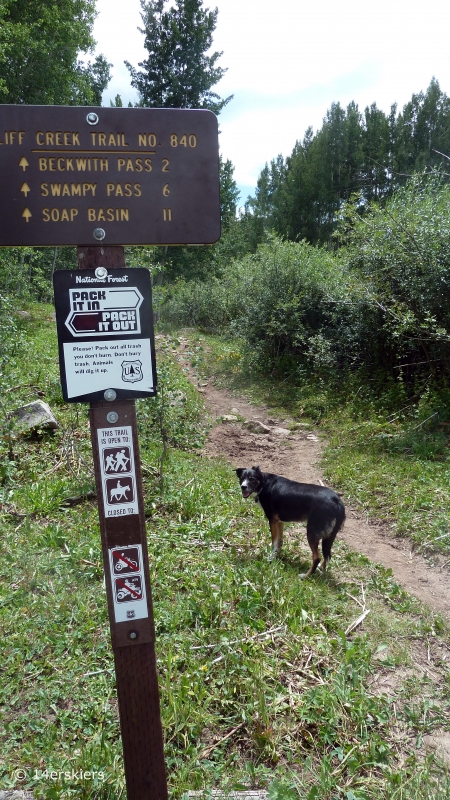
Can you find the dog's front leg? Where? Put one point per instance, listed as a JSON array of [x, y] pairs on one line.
[[276, 529]]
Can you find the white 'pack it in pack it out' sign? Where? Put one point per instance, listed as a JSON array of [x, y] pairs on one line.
[[105, 333]]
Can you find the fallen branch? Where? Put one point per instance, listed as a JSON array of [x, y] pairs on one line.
[[436, 413], [432, 541], [311, 676], [25, 386], [54, 468], [357, 621], [339, 768], [96, 672], [239, 641], [208, 750], [75, 501], [151, 470], [356, 600]]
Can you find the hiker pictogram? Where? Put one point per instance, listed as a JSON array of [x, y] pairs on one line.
[[116, 459], [119, 490], [126, 560], [128, 589]]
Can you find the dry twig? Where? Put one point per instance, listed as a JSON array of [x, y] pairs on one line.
[[208, 750], [240, 641]]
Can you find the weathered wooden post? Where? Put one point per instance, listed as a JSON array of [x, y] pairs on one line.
[[118, 480], [102, 178]]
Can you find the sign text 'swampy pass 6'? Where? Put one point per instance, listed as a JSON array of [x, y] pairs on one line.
[[84, 176]]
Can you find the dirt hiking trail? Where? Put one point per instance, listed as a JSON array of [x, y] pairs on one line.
[[296, 454]]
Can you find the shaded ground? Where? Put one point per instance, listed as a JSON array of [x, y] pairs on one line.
[[295, 454]]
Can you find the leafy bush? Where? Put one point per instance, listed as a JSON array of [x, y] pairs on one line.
[[26, 272], [379, 304], [401, 253], [10, 336], [288, 301]]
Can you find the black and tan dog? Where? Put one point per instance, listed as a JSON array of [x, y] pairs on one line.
[[283, 500]]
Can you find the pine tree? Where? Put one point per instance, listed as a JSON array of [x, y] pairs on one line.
[[229, 192], [177, 72]]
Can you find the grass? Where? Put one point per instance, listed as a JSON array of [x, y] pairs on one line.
[[260, 685], [390, 456]]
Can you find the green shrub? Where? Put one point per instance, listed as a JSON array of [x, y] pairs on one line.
[[380, 304], [401, 253], [288, 301]]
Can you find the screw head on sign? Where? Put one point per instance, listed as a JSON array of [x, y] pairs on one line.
[[99, 234], [110, 395], [132, 635], [92, 118], [101, 273], [112, 416]]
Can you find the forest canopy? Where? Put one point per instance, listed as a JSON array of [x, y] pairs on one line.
[[40, 46], [360, 155]]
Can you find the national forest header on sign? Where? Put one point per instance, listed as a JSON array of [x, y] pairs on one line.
[[112, 176]]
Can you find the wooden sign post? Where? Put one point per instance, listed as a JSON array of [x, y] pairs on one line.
[[128, 590], [101, 178]]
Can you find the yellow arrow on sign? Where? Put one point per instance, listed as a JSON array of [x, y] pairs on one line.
[[25, 189], [23, 163], [27, 214]]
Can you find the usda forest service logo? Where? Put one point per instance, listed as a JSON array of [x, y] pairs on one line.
[[132, 371]]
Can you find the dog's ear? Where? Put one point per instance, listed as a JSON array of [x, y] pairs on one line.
[[239, 472], [257, 469]]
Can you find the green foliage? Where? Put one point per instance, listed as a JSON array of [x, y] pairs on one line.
[[288, 302], [379, 305], [26, 272], [40, 41], [402, 252], [229, 192], [303, 719], [175, 412], [178, 72], [11, 336], [353, 154]]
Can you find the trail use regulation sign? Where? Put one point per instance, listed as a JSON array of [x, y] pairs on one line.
[[105, 333]]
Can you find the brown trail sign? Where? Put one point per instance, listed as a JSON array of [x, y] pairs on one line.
[[85, 176], [77, 176]]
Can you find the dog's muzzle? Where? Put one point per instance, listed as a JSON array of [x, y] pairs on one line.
[[246, 490]]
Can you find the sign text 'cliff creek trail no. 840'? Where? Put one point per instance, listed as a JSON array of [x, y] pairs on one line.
[[80, 176]]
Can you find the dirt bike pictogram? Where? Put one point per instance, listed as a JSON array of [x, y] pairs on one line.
[[129, 564]]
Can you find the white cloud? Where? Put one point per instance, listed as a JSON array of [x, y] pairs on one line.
[[289, 60]]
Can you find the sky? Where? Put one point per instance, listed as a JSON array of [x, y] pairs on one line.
[[288, 60]]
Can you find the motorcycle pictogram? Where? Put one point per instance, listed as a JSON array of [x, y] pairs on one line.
[[120, 565]]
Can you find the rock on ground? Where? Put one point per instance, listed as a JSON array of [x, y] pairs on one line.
[[32, 416]]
